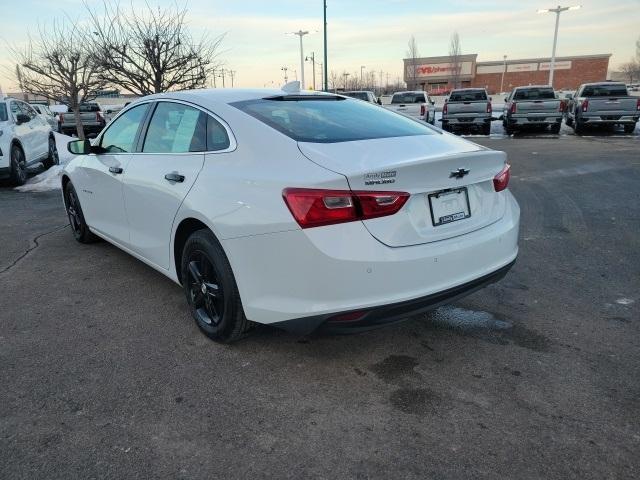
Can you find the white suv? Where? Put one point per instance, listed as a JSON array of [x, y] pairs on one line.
[[25, 139]]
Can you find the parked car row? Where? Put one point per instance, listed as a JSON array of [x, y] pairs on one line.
[[25, 139]]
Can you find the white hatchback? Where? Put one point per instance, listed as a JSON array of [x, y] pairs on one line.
[[25, 139], [299, 210]]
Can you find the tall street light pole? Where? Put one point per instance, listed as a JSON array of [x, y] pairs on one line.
[[558, 10], [326, 76], [284, 69], [301, 33], [362, 67], [504, 69]]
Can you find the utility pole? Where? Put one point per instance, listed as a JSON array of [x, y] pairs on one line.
[[345, 75], [504, 69], [312, 57], [558, 10], [362, 67], [321, 75], [222, 75], [284, 69], [326, 75], [232, 73]]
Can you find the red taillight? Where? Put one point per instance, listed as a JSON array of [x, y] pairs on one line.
[[444, 109], [501, 180], [513, 108], [563, 106], [314, 207], [585, 105], [638, 105], [489, 108], [422, 110]]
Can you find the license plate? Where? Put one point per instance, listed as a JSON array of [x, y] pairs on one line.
[[449, 206]]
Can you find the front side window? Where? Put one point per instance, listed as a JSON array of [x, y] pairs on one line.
[[120, 137], [329, 119], [3, 112], [176, 128]]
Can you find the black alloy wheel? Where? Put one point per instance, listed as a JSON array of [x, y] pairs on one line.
[[18, 166], [53, 158], [77, 222], [211, 290]]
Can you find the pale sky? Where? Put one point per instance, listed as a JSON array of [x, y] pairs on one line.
[[372, 33]]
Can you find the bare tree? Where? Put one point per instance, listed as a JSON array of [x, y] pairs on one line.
[[333, 80], [412, 55], [455, 52], [59, 65], [631, 70], [151, 51]]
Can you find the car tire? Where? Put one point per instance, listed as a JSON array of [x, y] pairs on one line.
[[79, 226], [579, 128], [486, 129], [629, 128], [18, 166], [211, 289], [569, 121], [445, 127], [53, 158], [555, 128]]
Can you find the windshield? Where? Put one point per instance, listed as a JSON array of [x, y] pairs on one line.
[[358, 95], [3, 112], [605, 91], [330, 119], [89, 107], [535, 94], [468, 96], [408, 98]]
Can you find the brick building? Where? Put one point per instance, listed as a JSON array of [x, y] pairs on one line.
[[434, 74]]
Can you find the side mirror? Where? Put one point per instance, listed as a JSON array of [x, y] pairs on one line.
[[108, 112], [433, 102], [568, 96], [22, 118], [79, 147], [506, 99], [379, 102], [490, 99]]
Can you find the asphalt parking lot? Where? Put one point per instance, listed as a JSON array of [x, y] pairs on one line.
[[105, 375]]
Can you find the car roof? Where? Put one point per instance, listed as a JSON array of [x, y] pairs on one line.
[[532, 86], [216, 96], [468, 89], [602, 83], [410, 91]]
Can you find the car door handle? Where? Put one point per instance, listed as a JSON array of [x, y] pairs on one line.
[[116, 170], [174, 177]]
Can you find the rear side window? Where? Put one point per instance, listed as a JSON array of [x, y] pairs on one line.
[[358, 95], [468, 96], [535, 94], [176, 128], [329, 119], [408, 98], [3, 112], [604, 91], [121, 134]]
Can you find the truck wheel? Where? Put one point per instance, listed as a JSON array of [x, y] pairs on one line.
[[569, 121], [629, 128], [486, 129], [555, 128], [579, 128], [445, 126]]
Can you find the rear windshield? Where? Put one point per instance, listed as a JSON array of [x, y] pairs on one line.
[[358, 95], [3, 112], [605, 91], [468, 96], [89, 107], [330, 119], [408, 98], [535, 94]]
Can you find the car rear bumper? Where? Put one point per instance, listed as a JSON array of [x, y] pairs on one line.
[[534, 120], [608, 119], [307, 276], [467, 121]]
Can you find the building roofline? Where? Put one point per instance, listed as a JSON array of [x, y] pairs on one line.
[[463, 58], [544, 59]]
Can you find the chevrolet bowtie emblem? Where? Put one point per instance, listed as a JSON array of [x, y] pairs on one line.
[[461, 172]]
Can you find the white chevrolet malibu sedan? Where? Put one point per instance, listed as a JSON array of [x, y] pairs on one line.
[[296, 209]]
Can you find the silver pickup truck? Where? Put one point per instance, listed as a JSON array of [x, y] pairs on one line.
[[530, 107], [467, 108], [605, 103], [93, 120], [415, 104]]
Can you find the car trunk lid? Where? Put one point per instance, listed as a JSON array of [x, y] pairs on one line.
[[428, 167]]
